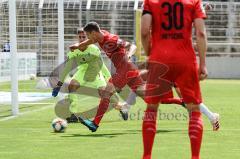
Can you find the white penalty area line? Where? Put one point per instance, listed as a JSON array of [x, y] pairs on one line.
[[36, 110]]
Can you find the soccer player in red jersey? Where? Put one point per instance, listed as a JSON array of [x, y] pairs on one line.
[[126, 72], [170, 24]]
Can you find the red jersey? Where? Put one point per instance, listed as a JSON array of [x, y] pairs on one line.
[[114, 47], [172, 22]]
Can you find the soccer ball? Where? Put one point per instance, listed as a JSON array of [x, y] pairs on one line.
[[32, 77], [59, 125]]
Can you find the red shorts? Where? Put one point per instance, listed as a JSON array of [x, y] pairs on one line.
[[168, 95], [127, 74], [162, 76]]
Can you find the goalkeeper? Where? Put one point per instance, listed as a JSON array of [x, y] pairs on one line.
[[91, 72]]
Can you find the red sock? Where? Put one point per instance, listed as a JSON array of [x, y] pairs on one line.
[[195, 131], [178, 101], [148, 132], [102, 108]]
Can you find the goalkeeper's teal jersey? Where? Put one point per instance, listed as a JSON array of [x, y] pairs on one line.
[[91, 69]]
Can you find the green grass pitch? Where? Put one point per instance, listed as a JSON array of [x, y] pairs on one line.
[[30, 135]]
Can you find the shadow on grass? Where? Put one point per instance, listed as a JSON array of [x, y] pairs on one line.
[[106, 135], [158, 131], [112, 135]]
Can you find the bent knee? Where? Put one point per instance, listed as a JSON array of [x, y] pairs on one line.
[[73, 86]]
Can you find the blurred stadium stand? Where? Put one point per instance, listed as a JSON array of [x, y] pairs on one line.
[[37, 25]]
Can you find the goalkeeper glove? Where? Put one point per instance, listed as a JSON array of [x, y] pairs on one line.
[[57, 89]]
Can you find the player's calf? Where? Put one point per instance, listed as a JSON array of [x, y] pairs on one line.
[[195, 129]]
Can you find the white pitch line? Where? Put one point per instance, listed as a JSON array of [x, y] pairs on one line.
[[31, 103], [35, 103], [36, 110], [27, 112]]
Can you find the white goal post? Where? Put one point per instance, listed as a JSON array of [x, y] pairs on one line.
[[13, 48], [13, 52]]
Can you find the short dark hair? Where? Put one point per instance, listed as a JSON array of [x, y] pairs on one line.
[[91, 26], [80, 30]]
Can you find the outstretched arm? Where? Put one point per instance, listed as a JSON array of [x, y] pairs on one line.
[[62, 71], [81, 46], [66, 70]]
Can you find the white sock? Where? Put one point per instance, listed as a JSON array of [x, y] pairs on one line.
[[131, 100], [204, 109]]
